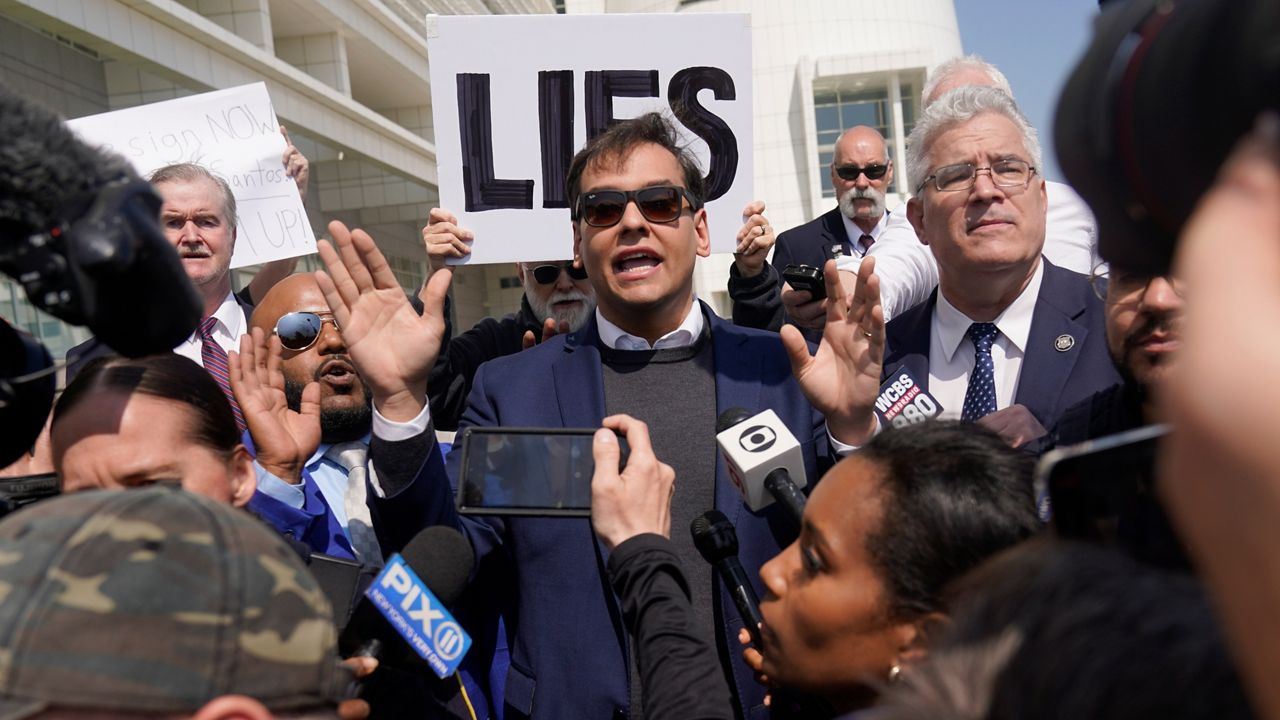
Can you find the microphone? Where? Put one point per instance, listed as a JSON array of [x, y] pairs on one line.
[[81, 232], [763, 457], [402, 619], [717, 542]]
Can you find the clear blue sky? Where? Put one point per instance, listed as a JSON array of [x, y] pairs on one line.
[[1035, 43]]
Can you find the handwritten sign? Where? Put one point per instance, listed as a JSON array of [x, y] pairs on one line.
[[234, 133], [515, 96]]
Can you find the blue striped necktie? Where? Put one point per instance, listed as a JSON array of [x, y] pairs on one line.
[[214, 359]]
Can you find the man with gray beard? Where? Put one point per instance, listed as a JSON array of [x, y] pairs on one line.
[[861, 172], [557, 299]]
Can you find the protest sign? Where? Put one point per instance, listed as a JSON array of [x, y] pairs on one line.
[[515, 96], [234, 133]]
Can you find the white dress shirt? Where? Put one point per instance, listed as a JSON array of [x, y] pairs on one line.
[[855, 233], [908, 271], [231, 324], [618, 339], [951, 353]]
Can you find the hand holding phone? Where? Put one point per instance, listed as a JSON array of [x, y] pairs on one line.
[[542, 472], [807, 278], [635, 498]]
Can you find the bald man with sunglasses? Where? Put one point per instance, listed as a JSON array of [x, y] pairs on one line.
[[328, 485], [557, 299]]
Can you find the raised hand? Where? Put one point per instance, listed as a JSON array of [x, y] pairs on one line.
[[842, 378], [284, 439], [296, 165], [637, 500], [755, 239], [443, 239], [392, 347], [549, 330]]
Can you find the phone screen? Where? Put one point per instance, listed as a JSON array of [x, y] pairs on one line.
[[1103, 491], [517, 471]]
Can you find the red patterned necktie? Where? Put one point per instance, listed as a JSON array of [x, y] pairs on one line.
[[866, 241], [215, 361]]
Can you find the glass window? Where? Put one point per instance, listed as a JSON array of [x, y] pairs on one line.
[[837, 110]]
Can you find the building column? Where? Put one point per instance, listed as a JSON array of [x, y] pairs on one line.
[[899, 136], [250, 19], [323, 57]]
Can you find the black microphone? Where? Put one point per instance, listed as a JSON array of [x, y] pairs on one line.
[[81, 232], [760, 455], [717, 542], [443, 560]]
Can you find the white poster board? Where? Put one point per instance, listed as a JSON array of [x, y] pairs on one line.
[[234, 133], [530, 86]]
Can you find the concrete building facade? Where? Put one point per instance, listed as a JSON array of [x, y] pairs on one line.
[[350, 80]]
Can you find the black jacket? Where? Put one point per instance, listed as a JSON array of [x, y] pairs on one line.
[[450, 380]]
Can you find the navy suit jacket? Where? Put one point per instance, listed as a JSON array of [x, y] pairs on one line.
[[569, 652], [811, 243], [1051, 380], [406, 469]]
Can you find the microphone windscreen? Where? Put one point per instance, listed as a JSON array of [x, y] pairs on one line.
[[714, 536], [46, 171], [443, 559], [731, 417]]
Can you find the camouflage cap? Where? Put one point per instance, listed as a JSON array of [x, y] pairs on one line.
[[157, 600]]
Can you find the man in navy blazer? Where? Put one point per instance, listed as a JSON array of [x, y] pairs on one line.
[[652, 351], [1007, 339]]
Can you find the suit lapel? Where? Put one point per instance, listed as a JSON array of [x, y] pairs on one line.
[[737, 385], [908, 342], [1053, 345], [579, 381], [834, 233]]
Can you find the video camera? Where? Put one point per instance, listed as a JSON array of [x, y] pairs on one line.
[[81, 232], [1154, 108]]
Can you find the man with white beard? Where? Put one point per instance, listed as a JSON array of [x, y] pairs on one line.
[[557, 299], [861, 172]]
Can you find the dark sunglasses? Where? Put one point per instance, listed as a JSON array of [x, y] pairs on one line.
[[299, 330], [658, 204], [547, 274], [851, 172]]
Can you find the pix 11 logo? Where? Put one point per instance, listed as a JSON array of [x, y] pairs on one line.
[[420, 617]]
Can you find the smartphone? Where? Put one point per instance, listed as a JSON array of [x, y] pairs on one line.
[[1104, 491], [806, 277], [539, 472]]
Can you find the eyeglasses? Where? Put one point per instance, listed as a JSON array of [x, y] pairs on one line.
[[547, 274], [1003, 173], [299, 330], [658, 204], [875, 171], [1118, 287]]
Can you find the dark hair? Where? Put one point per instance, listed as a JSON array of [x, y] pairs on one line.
[[620, 139], [954, 495], [191, 172], [1056, 629], [167, 376]]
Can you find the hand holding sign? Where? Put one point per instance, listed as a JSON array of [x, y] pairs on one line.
[[444, 239], [296, 165]]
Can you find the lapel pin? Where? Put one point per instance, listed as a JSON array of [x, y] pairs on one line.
[[1064, 343]]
